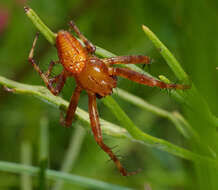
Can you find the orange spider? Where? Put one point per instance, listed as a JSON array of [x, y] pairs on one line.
[[94, 75]]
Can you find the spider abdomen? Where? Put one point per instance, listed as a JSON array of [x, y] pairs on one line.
[[71, 53]]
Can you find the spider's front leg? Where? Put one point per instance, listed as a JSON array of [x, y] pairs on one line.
[[60, 79], [143, 79], [89, 46], [96, 129]]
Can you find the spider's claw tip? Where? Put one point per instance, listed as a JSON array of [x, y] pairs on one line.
[[71, 23], [134, 173]]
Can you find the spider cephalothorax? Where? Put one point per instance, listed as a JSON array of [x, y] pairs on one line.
[[94, 75]]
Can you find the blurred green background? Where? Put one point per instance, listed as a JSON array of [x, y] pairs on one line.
[[188, 28]]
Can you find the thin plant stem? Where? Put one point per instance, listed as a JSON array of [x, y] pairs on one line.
[[44, 139], [49, 35], [155, 110], [55, 175], [168, 56], [26, 158], [71, 154], [43, 152]]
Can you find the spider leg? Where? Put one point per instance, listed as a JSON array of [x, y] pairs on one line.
[[96, 129], [50, 67], [89, 46], [143, 79], [60, 79], [131, 59], [71, 108]]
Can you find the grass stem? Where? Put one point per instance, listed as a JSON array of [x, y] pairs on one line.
[[26, 158]]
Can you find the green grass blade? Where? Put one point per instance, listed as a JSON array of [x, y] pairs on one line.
[[72, 153], [43, 153], [183, 129], [49, 35], [168, 56], [26, 158], [55, 175]]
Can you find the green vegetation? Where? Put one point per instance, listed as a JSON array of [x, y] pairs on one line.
[[171, 136]]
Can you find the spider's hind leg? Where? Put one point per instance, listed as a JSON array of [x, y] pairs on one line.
[[89, 46], [96, 129]]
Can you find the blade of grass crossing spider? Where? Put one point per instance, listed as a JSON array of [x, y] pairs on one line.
[[26, 158], [43, 153], [72, 153]]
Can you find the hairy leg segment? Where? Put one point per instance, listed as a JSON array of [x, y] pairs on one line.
[[96, 129], [143, 79]]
